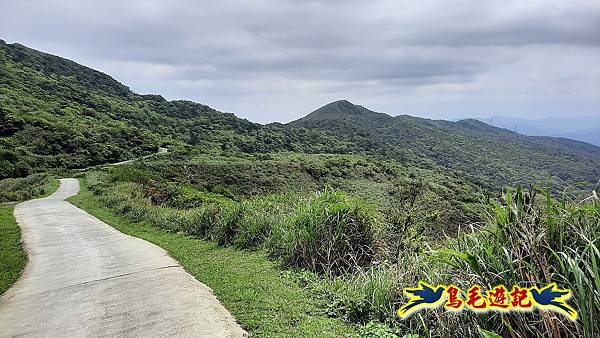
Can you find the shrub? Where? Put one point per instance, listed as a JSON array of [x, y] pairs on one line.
[[365, 295], [202, 220], [332, 233], [181, 196], [95, 180], [21, 189]]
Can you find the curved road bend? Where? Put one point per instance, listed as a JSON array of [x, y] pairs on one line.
[[84, 278]]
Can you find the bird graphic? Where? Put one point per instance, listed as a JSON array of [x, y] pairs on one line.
[[553, 298], [424, 296]]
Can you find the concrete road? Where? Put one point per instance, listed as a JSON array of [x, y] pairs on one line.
[[84, 278]]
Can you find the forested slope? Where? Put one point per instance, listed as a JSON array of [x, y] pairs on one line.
[[57, 114], [492, 156]]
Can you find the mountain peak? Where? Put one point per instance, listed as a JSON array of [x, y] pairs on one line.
[[341, 110], [342, 107]]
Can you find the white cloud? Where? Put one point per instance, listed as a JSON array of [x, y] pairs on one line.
[[275, 60]]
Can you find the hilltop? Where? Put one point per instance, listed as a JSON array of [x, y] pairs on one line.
[[57, 114], [341, 110], [489, 155]]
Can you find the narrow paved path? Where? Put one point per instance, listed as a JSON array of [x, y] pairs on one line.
[[84, 278], [160, 151]]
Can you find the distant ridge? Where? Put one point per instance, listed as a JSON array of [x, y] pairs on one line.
[[488, 154], [582, 128]]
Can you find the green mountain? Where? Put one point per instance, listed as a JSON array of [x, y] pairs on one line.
[[486, 154], [57, 114]]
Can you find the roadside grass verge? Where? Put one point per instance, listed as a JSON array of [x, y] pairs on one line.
[[12, 255], [26, 188], [265, 300], [358, 260]]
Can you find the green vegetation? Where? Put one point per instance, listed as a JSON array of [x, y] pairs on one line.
[[490, 156], [332, 233], [315, 227], [22, 189], [56, 114], [265, 300], [12, 255], [282, 224], [355, 257], [536, 241], [179, 179]]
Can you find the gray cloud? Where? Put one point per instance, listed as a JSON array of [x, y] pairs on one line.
[[278, 59]]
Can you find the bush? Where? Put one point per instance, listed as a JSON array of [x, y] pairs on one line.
[[202, 220], [262, 216], [331, 234], [21, 189]]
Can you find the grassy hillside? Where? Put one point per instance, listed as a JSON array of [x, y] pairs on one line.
[[354, 251], [488, 155], [57, 114]]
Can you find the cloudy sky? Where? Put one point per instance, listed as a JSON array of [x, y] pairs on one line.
[[276, 60]]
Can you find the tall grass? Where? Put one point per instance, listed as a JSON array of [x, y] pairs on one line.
[[332, 233], [326, 232], [534, 240], [529, 238]]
